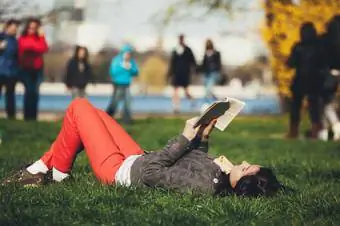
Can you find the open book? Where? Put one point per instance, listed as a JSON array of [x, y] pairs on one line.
[[224, 111]]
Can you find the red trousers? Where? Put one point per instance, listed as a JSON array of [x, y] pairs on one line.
[[106, 143]]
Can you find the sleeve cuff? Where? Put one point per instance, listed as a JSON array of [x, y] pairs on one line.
[[182, 140]]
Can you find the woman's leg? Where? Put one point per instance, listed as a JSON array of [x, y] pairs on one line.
[[330, 113], [112, 126], [27, 95], [111, 110], [210, 82], [36, 94], [175, 99], [295, 114], [187, 93], [205, 83], [332, 117], [10, 98], [126, 144], [32, 81], [315, 109], [106, 143], [127, 118]]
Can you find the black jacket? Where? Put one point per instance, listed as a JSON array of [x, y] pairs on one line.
[[211, 63], [75, 77], [180, 67], [181, 166], [308, 60]]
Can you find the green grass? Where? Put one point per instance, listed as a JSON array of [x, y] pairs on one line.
[[312, 168]]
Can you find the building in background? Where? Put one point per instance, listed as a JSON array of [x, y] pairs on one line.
[[75, 24]]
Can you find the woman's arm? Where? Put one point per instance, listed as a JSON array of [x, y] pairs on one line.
[[68, 73], [171, 65], [154, 173], [292, 61], [134, 70], [11, 47], [117, 67], [192, 58], [201, 145], [201, 141], [202, 68], [89, 73], [219, 61]]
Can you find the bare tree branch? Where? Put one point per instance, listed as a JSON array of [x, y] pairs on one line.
[[178, 11], [16, 9]]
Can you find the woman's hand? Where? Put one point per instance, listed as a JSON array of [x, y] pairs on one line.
[[3, 44], [189, 131], [41, 32], [202, 131], [207, 130]]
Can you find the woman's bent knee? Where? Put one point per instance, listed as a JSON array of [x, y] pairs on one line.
[[80, 102], [79, 105]]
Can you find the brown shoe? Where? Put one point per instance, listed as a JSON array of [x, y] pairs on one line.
[[25, 178]]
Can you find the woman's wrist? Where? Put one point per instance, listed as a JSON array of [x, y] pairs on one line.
[[188, 136], [205, 138]]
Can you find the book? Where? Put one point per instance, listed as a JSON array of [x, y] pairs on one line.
[[224, 111]]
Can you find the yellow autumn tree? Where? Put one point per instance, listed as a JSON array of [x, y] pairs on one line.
[[153, 72], [281, 31]]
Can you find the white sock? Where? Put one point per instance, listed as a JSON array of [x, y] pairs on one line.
[[58, 176], [37, 167]]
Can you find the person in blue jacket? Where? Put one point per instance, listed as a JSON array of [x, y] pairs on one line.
[[9, 64], [123, 69]]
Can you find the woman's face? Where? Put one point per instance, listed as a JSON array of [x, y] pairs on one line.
[[239, 171], [32, 28], [12, 29], [127, 56], [81, 53], [209, 46]]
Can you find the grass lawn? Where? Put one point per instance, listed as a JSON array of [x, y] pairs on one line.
[[312, 168]]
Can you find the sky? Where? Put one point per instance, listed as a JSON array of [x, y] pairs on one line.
[[132, 20]]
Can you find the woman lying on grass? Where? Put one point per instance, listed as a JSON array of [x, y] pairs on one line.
[[182, 165]]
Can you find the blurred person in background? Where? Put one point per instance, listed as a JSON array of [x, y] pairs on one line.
[[307, 58], [181, 64], [78, 72], [331, 44], [9, 64], [123, 69], [32, 47], [211, 68]]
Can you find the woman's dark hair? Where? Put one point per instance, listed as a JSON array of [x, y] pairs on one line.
[[223, 187], [333, 28], [263, 183], [76, 51], [209, 45], [28, 23], [308, 32], [11, 22]]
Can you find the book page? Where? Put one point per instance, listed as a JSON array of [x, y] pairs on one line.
[[223, 121], [235, 108]]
